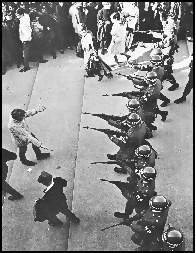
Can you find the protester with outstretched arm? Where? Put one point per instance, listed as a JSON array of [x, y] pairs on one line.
[[22, 137]]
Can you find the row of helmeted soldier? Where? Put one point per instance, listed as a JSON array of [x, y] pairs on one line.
[[136, 157]]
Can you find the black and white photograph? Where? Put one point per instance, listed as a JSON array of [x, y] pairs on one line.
[[97, 126]]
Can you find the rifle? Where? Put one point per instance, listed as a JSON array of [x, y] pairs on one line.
[[125, 188], [126, 94], [118, 224], [130, 77], [103, 116], [108, 162], [107, 131], [121, 223]]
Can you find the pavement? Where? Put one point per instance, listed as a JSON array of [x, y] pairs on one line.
[[59, 85]]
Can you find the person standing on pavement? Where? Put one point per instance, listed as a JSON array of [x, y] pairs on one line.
[[22, 137], [76, 14], [131, 13], [25, 32], [93, 63], [104, 26], [53, 202], [6, 188], [48, 26], [118, 33], [91, 20], [68, 27], [37, 37], [59, 12]]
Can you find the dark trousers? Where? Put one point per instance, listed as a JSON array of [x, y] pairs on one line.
[[59, 36], [25, 48], [188, 86], [23, 150], [37, 48], [163, 97], [8, 189], [51, 215], [69, 35], [76, 40]]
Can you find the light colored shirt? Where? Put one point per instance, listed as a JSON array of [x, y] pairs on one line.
[[76, 17], [50, 186], [20, 131], [25, 30]]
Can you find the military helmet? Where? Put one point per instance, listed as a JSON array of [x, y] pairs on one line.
[[172, 237], [133, 119], [158, 203], [156, 58], [133, 105], [151, 77], [156, 51], [148, 173], [143, 151]]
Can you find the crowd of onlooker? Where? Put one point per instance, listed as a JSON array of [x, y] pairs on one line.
[[30, 29]]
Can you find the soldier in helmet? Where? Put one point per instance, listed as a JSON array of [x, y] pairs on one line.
[[156, 65], [136, 128], [156, 51], [143, 192], [128, 145], [149, 92], [172, 240], [144, 156], [169, 46], [151, 222]]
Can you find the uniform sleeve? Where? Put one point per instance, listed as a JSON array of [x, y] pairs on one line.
[[30, 113], [117, 141]]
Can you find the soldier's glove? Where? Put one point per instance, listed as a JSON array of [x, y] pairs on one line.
[[138, 198], [147, 230]]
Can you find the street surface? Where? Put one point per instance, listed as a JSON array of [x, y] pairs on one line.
[[59, 85]]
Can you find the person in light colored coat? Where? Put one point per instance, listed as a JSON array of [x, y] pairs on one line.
[[22, 137]]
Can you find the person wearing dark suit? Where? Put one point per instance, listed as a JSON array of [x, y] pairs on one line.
[[8, 156], [54, 201]]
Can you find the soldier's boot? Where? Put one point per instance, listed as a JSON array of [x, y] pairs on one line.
[[165, 100], [39, 154], [162, 113], [175, 85], [186, 91], [180, 100], [111, 157], [151, 126], [148, 134], [120, 170]]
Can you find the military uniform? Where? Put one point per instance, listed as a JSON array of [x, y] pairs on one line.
[[144, 162], [158, 70], [143, 192], [150, 227]]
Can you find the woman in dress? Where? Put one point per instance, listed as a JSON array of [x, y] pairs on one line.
[[93, 63], [118, 33]]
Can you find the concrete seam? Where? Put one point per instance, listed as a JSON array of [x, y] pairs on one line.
[[12, 165]]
